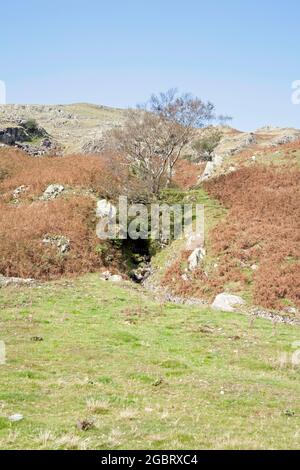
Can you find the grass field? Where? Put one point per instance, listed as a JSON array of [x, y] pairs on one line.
[[144, 375]]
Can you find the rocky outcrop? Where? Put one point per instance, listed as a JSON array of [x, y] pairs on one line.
[[29, 137], [211, 167], [46, 146], [285, 139], [12, 134], [244, 143]]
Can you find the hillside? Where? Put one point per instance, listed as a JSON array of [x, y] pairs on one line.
[[251, 215], [79, 128], [119, 343], [75, 127]]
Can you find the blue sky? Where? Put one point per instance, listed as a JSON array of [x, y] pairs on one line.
[[242, 55]]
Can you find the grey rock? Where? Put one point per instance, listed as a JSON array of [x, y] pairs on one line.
[[227, 302], [196, 258], [16, 417], [247, 140], [115, 278], [211, 167], [107, 276], [285, 139], [105, 209], [10, 135], [53, 191], [20, 190]]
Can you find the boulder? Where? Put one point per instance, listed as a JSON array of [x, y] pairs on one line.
[[196, 258], [105, 209], [53, 191], [16, 417], [107, 276], [227, 302], [9, 135], [211, 167], [115, 278]]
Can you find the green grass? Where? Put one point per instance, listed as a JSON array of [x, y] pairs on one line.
[[150, 376], [213, 213]]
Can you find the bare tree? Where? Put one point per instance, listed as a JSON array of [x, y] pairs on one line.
[[153, 136], [224, 119]]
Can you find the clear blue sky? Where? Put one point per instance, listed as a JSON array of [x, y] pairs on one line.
[[241, 54]]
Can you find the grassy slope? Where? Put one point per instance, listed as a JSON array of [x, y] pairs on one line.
[[160, 376], [213, 213]]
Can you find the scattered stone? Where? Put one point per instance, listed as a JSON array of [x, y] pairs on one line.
[[292, 310], [59, 241], [254, 267], [196, 258], [227, 302], [44, 148], [15, 281], [285, 139], [16, 417], [53, 191], [20, 190], [275, 317]]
